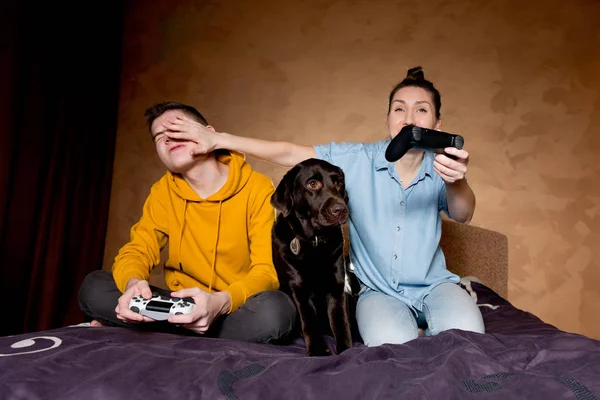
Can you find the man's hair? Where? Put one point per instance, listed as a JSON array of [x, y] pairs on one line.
[[159, 109]]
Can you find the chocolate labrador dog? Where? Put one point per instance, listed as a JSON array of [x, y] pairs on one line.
[[308, 251]]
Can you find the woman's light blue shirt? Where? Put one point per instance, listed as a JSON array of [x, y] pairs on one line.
[[394, 232]]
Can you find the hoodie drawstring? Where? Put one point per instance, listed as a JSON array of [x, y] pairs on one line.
[[185, 202], [214, 262]]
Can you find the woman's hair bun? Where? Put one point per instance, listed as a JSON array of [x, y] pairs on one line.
[[415, 74]]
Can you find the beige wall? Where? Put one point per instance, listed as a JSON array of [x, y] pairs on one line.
[[519, 79]]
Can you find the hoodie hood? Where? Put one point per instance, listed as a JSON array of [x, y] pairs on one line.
[[239, 173]]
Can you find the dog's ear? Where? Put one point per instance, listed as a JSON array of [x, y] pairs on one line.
[[282, 199]]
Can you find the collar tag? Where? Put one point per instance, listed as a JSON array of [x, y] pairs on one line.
[[295, 246]]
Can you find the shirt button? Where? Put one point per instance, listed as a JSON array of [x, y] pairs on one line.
[[402, 202], [394, 281], [395, 257], [397, 228]]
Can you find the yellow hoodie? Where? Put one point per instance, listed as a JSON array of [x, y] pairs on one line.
[[236, 221]]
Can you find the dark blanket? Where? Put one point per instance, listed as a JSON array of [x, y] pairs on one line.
[[519, 357]]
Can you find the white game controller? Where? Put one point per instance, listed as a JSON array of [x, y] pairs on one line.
[[159, 307]]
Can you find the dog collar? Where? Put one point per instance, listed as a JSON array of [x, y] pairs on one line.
[[295, 243], [315, 242]]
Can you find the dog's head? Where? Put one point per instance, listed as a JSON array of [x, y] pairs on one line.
[[313, 189]]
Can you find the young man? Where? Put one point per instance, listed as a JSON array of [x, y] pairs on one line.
[[214, 213]]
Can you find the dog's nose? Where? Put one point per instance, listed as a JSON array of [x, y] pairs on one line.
[[339, 210]]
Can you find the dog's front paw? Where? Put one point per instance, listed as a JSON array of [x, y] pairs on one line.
[[318, 351]]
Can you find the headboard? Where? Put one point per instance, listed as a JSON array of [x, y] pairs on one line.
[[469, 251], [478, 252]]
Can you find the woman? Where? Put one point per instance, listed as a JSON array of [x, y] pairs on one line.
[[395, 222]]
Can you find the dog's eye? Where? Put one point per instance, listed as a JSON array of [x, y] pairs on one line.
[[313, 184], [338, 184]]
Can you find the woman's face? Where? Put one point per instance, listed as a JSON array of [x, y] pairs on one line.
[[412, 106]]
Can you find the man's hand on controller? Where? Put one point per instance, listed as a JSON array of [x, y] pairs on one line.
[[135, 287], [451, 170], [208, 307]]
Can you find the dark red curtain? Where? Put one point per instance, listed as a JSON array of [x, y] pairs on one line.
[[58, 110]]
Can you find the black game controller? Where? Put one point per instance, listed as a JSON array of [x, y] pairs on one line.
[[421, 138]]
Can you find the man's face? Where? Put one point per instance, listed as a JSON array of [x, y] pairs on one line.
[[174, 153]]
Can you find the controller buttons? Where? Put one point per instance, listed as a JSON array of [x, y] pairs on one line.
[[175, 298], [134, 309], [178, 313]]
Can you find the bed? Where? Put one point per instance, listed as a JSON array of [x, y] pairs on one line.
[[519, 357]]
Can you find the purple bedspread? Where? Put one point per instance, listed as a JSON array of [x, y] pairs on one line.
[[519, 357]]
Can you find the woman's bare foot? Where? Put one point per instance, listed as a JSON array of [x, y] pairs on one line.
[[95, 323]]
